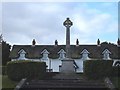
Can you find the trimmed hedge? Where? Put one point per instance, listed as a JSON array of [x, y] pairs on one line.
[[97, 69], [116, 71], [16, 70]]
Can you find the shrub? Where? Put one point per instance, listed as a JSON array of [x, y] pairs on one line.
[[97, 69], [16, 70]]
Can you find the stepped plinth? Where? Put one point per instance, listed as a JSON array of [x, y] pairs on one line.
[[64, 85], [68, 76], [67, 70]]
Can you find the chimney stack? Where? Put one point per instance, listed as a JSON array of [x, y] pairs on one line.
[[33, 42], [56, 42], [118, 42], [77, 42], [98, 42]]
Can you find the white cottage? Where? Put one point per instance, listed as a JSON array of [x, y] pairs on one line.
[[53, 54]]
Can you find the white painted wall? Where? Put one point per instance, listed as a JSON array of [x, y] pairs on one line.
[[79, 62], [55, 64]]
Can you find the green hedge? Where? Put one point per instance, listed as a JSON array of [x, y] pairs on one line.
[[97, 69], [3, 70], [116, 71], [16, 70]]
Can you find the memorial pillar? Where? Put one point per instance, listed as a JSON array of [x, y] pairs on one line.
[[68, 62], [67, 23]]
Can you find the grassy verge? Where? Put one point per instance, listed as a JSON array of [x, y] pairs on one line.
[[7, 83], [0, 82]]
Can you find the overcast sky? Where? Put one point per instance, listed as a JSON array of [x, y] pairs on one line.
[[43, 21]]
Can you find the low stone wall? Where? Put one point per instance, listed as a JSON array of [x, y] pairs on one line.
[[109, 84]]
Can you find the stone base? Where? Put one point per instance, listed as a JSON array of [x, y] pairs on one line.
[[67, 66]]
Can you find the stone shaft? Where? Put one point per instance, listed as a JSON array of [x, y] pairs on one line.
[[68, 42]]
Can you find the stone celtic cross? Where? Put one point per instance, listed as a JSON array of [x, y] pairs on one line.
[[67, 23]]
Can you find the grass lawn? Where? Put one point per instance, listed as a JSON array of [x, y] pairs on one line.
[[7, 83], [0, 82]]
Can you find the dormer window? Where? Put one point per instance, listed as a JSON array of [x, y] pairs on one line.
[[22, 54], [106, 54], [45, 54], [62, 54], [116, 63], [85, 54]]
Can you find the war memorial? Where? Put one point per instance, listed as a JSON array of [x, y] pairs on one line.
[[66, 71]]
